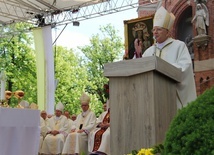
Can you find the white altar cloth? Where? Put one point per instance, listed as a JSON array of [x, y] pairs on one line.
[[19, 131]]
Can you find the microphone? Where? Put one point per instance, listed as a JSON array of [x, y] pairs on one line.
[[80, 127]]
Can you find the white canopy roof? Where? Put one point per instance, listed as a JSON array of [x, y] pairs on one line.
[[26, 10]]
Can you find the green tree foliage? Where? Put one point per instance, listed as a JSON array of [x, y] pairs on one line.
[[18, 60], [104, 49], [191, 132], [75, 73], [72, 79], [79, 73]]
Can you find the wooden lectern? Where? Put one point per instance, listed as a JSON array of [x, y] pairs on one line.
[[142, 102]]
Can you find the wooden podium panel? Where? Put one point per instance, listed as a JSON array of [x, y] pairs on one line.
[[142, 102]]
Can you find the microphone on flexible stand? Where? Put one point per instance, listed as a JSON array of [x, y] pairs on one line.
[[154, 54]]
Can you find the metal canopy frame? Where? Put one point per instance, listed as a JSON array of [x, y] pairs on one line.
[[60, 12], [56, 12]]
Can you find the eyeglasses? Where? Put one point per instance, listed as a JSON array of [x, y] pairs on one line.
[[84, 105], [159, 29]]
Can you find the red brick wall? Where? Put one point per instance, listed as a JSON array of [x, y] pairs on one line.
[[204, 80]]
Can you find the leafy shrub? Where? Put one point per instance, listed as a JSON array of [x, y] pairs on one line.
[[192, 130]]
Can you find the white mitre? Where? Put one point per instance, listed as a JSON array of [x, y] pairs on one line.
[[59, 106], [163, 18], [84, 98]]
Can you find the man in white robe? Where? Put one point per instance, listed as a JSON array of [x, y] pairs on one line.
[[44, 115], [56, 132], [77, 140], [43, 127], [99, 138], [43, 131], [71, 123], [174, 52]]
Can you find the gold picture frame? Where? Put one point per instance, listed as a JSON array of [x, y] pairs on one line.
[[131, 31]]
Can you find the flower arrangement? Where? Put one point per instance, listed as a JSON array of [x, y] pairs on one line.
[[145, 152], [142, 151], [149, 151]]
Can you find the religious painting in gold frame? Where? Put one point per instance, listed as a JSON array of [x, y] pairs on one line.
[[138, 28]]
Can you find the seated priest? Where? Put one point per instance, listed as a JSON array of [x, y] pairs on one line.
[[44, 115], [99, 138], [56, 131], [43, 131], [71, 123], [77, 140], [43, 126]]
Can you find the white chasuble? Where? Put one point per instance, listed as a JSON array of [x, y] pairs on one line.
[[78, 142], [176, 53], [54, 144]]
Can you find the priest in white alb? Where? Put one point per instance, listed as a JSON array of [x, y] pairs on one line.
[[77, 140], [56, 132], [43, 130]]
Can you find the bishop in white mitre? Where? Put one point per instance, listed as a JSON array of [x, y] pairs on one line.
[[56, 132], [77, 140]]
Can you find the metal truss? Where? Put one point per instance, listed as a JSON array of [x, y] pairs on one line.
[[92, 11], [40, 13], [13, 11]]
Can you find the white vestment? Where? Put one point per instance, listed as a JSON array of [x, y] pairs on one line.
[[176, 53], [78, 142], [94, 144], [71, 125], [46, 120], [43, 131], [54, 144]]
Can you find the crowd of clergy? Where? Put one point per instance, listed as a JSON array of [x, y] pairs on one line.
[[83, 134]]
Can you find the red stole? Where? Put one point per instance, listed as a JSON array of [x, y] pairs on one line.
[[99, 133]]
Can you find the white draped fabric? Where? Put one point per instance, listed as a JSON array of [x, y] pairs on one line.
[[45, 68], [104, 146], [78, 142], [19, 131], [54, 144], [71, 125]]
